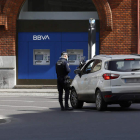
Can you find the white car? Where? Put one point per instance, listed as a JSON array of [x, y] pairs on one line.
[[107, 79]]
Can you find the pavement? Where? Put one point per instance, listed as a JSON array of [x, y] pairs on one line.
[[35, 87], [28, 91], [36, 117], [3, 119], [25, 92]]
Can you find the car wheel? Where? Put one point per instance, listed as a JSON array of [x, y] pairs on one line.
[[75, 103], [100, 103], [125, 104]]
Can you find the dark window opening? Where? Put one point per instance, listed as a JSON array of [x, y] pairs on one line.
[[123, 65], [61, 5]]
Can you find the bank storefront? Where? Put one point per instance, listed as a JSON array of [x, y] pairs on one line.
[[45, 31]]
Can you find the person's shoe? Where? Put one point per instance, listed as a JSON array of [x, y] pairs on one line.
[[68, 108], [62, 109]]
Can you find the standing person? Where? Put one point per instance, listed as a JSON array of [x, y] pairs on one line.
[[62, 70]]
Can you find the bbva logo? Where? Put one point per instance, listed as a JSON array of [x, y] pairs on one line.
[[40, 37]]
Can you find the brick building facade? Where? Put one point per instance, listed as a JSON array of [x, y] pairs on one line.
[[118, 27]]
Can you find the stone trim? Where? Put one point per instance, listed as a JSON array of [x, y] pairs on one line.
[[105, 13], [3, 21]]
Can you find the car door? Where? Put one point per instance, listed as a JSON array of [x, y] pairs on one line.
[[83, 80], [94, 77], [127, 72]]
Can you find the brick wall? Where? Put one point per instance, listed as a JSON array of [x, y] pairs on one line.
[[2, 3], [8, 35], [122, 39], [139, 29]]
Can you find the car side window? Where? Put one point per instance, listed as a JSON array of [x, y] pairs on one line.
[[97, 66], [88, 67], [106, 65]]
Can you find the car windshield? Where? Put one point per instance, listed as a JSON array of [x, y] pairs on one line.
[[123, 65]]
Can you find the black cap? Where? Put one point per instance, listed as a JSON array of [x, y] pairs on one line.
[[64, 53]]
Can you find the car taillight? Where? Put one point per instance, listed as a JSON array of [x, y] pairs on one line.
[[109, 76], [129, 59]]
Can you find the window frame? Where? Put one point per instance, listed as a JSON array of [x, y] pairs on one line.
[[119, 60], [107, 65], [45, 6], [101, 65], [86, 67]]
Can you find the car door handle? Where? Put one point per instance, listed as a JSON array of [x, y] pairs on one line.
[[85, 79]]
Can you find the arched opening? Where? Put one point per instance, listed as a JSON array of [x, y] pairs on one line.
[[15, 8], [102, 6], [45, 29]]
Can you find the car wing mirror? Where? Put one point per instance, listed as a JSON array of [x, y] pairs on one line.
[[78, 71]]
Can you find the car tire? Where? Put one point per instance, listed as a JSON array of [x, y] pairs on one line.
[[125, 104], [100, 103], [75, 103]]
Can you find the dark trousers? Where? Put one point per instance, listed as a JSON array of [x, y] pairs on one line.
[[61, 86]]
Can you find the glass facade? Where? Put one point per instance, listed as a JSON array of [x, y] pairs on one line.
[[61, 5]]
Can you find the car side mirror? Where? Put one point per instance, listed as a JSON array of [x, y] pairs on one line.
[[77, 71]]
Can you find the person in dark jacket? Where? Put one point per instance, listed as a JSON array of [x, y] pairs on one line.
[[62, 70]]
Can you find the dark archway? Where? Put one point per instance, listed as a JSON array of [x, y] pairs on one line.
[[103, 8]]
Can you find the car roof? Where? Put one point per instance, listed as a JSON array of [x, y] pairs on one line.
[[107, 57]]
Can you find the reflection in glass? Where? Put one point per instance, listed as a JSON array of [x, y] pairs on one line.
[[61, 5], [72, 57], [38, 57]]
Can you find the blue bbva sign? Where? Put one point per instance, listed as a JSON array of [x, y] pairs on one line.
[[55, 42], [41, 37]]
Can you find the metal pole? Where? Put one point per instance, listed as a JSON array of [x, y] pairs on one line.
[[90, 41], [92, 36]]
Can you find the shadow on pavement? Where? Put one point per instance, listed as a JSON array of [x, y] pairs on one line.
[[80, 124], [112, 109]]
